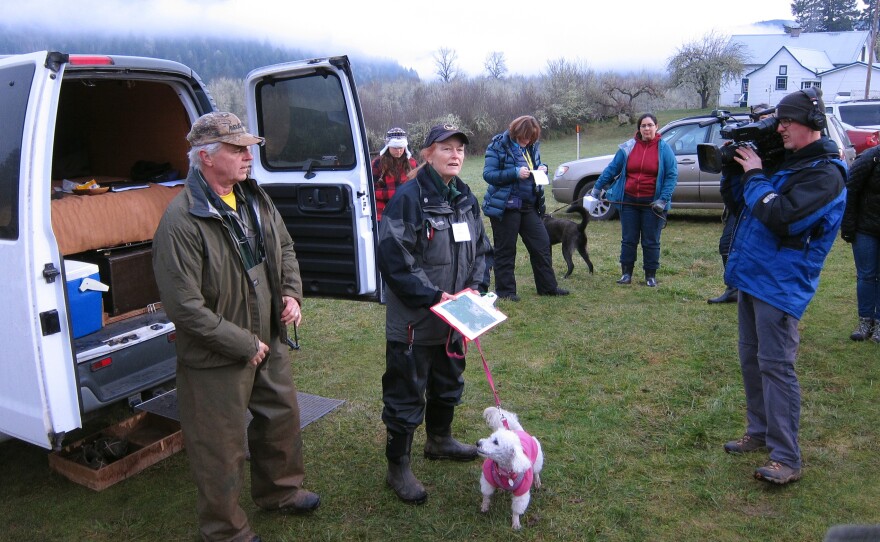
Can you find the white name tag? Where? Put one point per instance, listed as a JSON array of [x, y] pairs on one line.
[[461, 232]]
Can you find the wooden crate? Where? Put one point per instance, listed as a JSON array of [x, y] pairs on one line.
[[151, 438]]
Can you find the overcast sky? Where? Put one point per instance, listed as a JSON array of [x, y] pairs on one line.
[[604, 35]]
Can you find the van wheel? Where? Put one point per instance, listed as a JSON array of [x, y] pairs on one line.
[[604, 211]]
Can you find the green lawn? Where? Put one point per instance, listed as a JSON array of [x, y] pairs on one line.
[[631, 390]]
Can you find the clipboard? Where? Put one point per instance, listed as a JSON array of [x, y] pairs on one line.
[[469, 313]]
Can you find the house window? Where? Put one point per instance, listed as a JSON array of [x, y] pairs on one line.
[[782, 83], [811, 84], [783, 70], [744, 87]]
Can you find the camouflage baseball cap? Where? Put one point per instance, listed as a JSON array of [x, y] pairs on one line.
[[221, 127]]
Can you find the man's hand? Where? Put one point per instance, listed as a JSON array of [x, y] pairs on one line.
[[290, 312], [262, 352], [748, 158]]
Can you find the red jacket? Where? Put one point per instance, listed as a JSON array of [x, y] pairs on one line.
[[386, 185]]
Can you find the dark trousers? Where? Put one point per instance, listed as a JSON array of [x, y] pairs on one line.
[[866, 253], [640, 224], [768, 344], [526, 224], [420, 378]]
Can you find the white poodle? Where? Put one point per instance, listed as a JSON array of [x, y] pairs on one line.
[[513, 462]]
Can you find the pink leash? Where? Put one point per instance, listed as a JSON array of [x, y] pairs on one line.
[[491, 382]]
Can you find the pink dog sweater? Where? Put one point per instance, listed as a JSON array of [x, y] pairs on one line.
[[518, 484]]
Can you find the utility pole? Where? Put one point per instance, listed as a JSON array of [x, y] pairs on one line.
[[873, 40]]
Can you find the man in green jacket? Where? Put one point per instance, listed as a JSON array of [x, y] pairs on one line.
[[229, 280]]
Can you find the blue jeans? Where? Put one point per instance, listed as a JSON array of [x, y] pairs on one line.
[[866, 253], [639, 223], [768, 345]]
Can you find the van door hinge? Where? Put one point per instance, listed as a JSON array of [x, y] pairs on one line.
[[50, 272]]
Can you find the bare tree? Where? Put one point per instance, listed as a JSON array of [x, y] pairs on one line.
[[496, 65], [446, 64], [704, 65], [621, 91]]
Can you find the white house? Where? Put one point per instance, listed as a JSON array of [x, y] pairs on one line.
[[779, 64]]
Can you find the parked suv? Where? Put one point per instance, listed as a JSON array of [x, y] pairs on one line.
[[695, 189], [71, 347], [858, 113]]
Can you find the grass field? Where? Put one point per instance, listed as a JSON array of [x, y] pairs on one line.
[[631, 390]]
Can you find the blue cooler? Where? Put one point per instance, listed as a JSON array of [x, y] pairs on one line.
[[85, 307]]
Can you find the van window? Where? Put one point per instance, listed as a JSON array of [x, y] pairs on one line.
[[306, 124], [14, 91]]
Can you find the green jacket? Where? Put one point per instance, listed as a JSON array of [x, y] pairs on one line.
[[203, 283]]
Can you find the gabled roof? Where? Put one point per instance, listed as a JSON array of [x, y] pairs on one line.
[[815, 61], [839, 47], [855, 65]]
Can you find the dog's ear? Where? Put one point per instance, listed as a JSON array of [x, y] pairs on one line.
[[521, 461]]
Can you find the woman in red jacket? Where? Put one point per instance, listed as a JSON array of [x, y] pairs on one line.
[[391, 167]]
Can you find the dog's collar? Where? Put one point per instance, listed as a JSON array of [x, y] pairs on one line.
[[506, 480]]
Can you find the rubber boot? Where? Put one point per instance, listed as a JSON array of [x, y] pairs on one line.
[[627, 276], [650, 278], [440, 444], [400, 477], [731, 294]]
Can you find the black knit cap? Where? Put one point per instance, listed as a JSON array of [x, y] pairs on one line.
[[798, 105]]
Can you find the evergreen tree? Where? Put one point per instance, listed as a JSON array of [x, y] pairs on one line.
[[826, 15]]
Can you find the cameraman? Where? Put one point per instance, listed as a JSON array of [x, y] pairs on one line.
[[731, 195], [786, 229]]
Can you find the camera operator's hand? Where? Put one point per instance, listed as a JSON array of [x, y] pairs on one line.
[[659, 206], [748, 158]]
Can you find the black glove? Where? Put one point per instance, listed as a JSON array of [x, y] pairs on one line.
[[659, 206], [848, 236]]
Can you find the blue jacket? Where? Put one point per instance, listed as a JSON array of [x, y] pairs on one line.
[[615, 172], [787, 226], [501, 170]]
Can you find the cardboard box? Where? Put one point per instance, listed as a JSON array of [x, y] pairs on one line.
[[85, 306], [151, 438]]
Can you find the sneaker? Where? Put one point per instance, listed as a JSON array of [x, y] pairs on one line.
[[875, 335], [777, 473], [863, 330], [626, 278], [651, 282], [744, 445]]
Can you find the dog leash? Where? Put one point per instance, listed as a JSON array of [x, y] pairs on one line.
[[491, 382]]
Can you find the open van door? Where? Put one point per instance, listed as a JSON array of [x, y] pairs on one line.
[[38, 390], [316, 167]]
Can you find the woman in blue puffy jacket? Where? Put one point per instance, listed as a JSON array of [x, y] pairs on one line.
[[514, 204]]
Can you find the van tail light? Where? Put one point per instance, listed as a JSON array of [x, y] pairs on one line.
[[90, 60], [101, 364], [873, 139]]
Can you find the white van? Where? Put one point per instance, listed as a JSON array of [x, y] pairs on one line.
[[69, 348]]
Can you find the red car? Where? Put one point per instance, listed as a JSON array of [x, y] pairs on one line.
[[862, 138]]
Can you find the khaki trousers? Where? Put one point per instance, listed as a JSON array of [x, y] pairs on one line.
[[213, 405]]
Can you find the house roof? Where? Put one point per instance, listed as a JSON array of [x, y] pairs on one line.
[[839, 47]]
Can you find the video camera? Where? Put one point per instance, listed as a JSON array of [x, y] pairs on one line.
[[759, 135]]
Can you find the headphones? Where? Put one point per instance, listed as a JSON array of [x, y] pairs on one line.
[[816, 117]]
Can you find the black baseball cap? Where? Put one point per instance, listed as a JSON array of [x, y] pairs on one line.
[[442, 132]]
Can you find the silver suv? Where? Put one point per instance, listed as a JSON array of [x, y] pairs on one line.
[[695, 189]]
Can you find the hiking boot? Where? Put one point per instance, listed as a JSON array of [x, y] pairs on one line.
[[303, 501], [651, 282], [864, 329], [875, 336], [404, 483], [777, 473], [437, 447], [626, 278], [744, 445], [556, 292]]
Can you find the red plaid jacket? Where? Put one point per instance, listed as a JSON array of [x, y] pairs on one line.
[[386, 185]]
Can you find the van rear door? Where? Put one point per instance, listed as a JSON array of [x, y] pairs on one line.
[[38, 390], [315, 166]]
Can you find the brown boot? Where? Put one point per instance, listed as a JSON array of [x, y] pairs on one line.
[[446, 447]]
